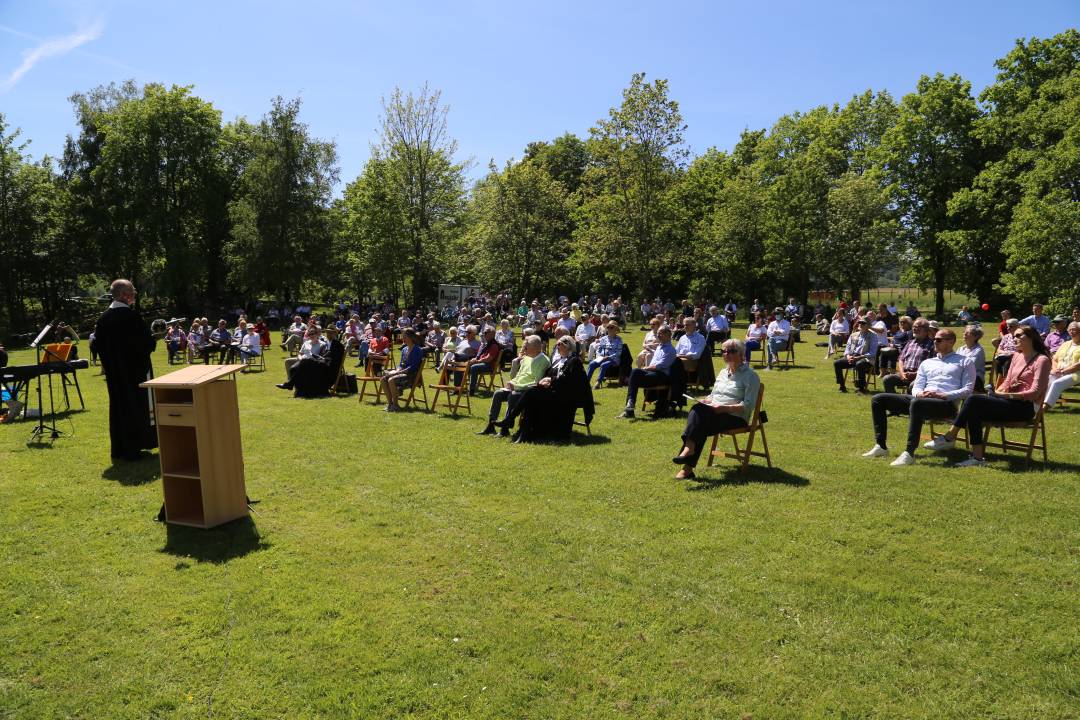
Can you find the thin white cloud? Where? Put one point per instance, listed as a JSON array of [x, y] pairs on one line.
[[51, 48]]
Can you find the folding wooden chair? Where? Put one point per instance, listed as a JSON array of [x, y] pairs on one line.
[[755, 427], [418, 382], [446, 385], [256, 362], [1037, 426], [654, 395], [486, 380], [373, 371], [764, 350], [786, 357], [580, 423], [871, 376]]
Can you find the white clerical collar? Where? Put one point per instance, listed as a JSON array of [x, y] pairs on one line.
[[117, 303]]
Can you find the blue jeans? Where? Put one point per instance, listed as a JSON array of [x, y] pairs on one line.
[[776, 346], [475, 371], [603, 364]]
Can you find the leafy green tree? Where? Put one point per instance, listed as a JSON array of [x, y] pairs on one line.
[[928, 156], [860, 232], [520, 233], [425, 180], [637, 155], [374, 236], [1023, 201], [280, 218], [565, 159], [736, 239]]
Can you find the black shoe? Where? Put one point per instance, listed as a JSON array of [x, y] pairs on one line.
[[843, 389], [682, 459], [489, 430], [284, 386], [504, 432]]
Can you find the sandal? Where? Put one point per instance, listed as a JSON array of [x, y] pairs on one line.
[[685, 474]]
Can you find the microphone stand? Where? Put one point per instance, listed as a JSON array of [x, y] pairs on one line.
[[39, 432]]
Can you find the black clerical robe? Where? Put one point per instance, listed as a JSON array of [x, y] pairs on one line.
[[124, 344]]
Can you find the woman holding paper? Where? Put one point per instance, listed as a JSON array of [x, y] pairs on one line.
[[729, 406]]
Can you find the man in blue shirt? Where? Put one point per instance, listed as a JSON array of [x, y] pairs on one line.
[[658, 372], [1037, 320]]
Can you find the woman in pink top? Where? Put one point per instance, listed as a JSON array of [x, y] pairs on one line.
[[1016, 399]]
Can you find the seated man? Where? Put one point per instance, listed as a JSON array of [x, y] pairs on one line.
[[532, 366], [859, 354], [434, 340], [238, 336], [717, 328], [657, 372], [466, 348], [294, 336], [941, 382], [1037, 320], [485, 359], [779, 334], [917, 349], [691, 345], [173, 340], [396, 381], [220, 341], [1058, 335]]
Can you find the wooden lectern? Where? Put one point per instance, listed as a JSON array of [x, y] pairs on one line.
[[202, 463]]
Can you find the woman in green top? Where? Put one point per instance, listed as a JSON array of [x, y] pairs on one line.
[[730, 405]]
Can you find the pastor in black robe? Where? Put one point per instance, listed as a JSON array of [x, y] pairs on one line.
[[547, 413], [124, 344]]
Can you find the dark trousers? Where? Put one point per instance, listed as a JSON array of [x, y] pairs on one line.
[[891, 382], [640, 378], [703, 422], [475, 371], [1002, 363], [502, 395], [979, 409], [887, 358], [861, 368], [918, 410]]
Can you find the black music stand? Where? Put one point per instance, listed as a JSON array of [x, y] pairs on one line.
[[39, 432]]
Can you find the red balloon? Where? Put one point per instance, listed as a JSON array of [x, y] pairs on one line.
[[985, 306]]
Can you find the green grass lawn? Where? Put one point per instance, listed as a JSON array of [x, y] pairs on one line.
[[401, 566]]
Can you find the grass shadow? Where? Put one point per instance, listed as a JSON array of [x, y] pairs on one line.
[[583, 439], [737, 476], [139, 472], [215, 545]]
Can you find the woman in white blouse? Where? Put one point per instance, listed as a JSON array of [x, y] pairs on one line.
[[839, 330]]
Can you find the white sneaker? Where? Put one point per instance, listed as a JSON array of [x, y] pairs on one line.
[[876, 451], [971, 462], [905, 458], [940, 443]]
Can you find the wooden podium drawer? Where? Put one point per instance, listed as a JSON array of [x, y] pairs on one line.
[[175, 415]]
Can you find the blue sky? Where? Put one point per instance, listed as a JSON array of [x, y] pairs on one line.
[[511, 72]]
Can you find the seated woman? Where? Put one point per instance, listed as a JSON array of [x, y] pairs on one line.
[[839, 330], [174, 340], [1017, 397], [650, 343], [608, 353], [395, 381], [730, 405], [547, 411], [1065, 369], [972, 350], [1005, 349], [756, 335], [505, 337]]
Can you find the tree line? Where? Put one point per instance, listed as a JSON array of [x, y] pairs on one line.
[[973, 194]]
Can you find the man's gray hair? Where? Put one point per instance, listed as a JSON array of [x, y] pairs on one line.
[[1012, 322], [533, 341], [975, 329]]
